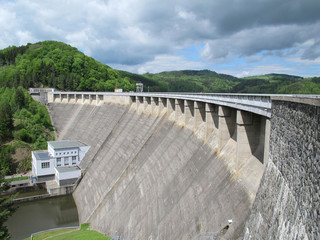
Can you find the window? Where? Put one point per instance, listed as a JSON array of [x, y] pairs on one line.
[[58, 162], [74, 160], [45, 165], [66, 161]]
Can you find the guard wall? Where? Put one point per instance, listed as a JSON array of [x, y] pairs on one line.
[[287, 205]]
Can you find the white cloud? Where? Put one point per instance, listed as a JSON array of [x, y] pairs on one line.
[[24, 37], [291, 66], [140, 33], [7, 23], [162, 63], [270, 39], [263, 69]]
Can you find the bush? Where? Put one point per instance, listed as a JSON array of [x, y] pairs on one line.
[[85, 226], [23, 135], [24, 165], [5, 159]]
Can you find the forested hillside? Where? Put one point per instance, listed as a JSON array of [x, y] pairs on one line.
[[194, 81], [209, 81], [57, 65], [25, 125], [278, 84]]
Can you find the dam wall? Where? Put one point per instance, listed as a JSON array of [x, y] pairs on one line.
[[181, 168], [164, 169], [287, 205]]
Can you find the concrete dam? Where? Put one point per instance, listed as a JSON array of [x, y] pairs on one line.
[[195, 166]]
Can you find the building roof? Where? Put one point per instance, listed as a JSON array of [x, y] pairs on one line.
[[41, 155], [65, 144], [68, 169]]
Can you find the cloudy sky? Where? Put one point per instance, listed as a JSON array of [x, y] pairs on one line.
[[238, 37]]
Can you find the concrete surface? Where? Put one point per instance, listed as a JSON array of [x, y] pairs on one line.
[[148, 177]]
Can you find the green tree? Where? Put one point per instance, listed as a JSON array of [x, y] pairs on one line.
[[5, 158], [6, 207], [20, 97], [6, 122], [24, 136]]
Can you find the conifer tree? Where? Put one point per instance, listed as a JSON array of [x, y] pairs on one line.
[[7, 208]]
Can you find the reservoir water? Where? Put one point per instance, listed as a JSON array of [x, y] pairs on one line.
[[41, 215]]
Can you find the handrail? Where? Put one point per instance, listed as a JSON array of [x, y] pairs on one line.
[[256, 103], [259, 104]]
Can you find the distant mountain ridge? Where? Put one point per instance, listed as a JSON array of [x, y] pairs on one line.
[[273, 75], [275, 83], [194, 81], [59, 65], [285, 75]]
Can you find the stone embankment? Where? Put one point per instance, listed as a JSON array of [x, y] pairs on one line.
[[287, 205]]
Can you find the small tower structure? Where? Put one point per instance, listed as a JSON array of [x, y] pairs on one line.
[[139, 87]]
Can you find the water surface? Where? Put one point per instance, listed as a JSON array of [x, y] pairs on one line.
[[42, 214]]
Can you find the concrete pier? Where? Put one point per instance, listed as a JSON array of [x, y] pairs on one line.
[[227, 124], [248, 136], [179, 111], [171, 105], [212, 118]]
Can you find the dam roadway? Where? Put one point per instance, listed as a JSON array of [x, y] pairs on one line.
[[175, 166]]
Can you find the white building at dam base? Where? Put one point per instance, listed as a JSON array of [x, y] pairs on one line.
[[60, 162]]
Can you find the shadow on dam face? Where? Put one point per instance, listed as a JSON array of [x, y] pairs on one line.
[[147, 177]]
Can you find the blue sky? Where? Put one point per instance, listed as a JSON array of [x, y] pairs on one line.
[[237, 37]]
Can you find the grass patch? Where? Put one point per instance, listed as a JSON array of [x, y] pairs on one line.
[[66, 234], [51, 234], [15, 179], [84, 226], [82, 235]]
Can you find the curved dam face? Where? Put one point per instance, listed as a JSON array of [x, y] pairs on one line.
[[174, 166], [147, 176]]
